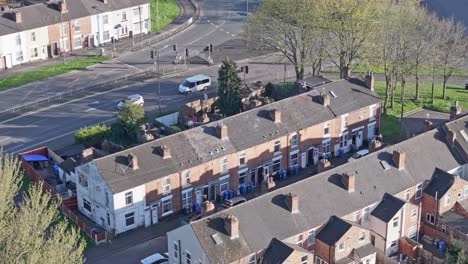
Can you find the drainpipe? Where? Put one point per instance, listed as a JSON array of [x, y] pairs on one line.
[[436, 209], [180, 252]]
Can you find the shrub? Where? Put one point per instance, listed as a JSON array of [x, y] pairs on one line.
[[93, 135]]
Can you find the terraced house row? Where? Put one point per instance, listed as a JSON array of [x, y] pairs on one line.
[[138, 186], [381, 205], [38, 30]]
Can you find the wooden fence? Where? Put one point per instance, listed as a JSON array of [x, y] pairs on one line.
[[64, 205]]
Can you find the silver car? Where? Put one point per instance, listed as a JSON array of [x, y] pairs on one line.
[[131, 99]]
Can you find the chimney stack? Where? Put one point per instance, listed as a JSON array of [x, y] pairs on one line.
[[18, 17], [86, 155], [455, 110], [292, 202], [104, 1], [325, 99], [399, 159], [427, 125], [451, 136], [165, 152], [207, 208], [276, 115], [370, 79], [63, 7], [133, 161], [323, 165], [222, 131], [231, 224], [349, 181], [346, 71]]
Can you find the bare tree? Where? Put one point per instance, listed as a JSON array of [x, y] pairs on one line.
[[452, 49], [290, 27]]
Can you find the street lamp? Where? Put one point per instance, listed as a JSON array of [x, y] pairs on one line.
[[156, 61]]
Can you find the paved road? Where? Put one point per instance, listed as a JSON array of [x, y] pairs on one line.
[[134, 254], [451, 8]]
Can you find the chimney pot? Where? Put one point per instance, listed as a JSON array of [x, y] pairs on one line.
[[207, 208], [63, 7], [231, 224], [222, 131], [18, 17], [86, 155], [292, 201], [451, 136], [325, 99], [399, 159], [349, 181], [323, 165], [455, 110], [276, 115], [133, 161]]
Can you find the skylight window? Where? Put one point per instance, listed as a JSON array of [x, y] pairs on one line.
[[333, 94], [464, 135]]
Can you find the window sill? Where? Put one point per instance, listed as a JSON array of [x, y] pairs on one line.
[[167, 213], [166, 193]]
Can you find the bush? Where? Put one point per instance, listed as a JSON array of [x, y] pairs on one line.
[[175, 129], [92, 136]]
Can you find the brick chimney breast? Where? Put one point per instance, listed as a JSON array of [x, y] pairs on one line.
[[455, 110], [325, 99], [451, 136], [349, 181], [165, 152], [222, 131], [276, 115], [370, 80], [292, 202], [399, 159], [63, 7], [133, 161], [86, 155], [231, 224], [18, 17]]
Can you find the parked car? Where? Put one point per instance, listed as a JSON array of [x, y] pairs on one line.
[[156, 259], [358, 154], [131, 99], [195, 84], [234, 201]]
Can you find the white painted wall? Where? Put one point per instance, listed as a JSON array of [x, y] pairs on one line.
[[130, 20], [394, 233], [98, 27], [188, 243], [40, 42], [137, 207], [95, 193], [378, 229]]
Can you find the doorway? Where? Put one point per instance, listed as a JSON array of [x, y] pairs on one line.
[[303, 160], [266, 171], [259, 175], [312, 156], [154, 214], [212, 192], [199, 196]]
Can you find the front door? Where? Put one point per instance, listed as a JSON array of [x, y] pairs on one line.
[[199, 196], [148, 220], [212, 191], [154, 213], [359, 139], [303, 160], [266, 171], [259, 175], [370, 131]]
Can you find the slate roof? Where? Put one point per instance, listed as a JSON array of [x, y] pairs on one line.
[[47, 13], [345, 260], [388, 207], [460, 128], [278, 252], [69, 165], [365, 250], [464, 204], [248, 129], [441, 182], [70, 151], [333, 230], [266, 217], [456, 221]]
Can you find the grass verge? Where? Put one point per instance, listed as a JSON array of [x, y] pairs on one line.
[[391, 122], [46, 72], [168, 11]]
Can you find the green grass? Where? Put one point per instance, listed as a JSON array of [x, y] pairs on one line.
[[425, 70], [168, 11], [43, 73], [391, 123]]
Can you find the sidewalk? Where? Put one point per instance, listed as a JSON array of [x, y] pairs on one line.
[[133, 237], [123, 46]]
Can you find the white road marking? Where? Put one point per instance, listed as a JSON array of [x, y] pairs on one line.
[[95, 102], [20, 145], [90, 109], [4, 139]]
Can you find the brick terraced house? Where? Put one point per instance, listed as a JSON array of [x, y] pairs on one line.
[[138, 186], [364, 198]]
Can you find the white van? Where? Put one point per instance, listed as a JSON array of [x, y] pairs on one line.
[[195, 84], [156, 259]]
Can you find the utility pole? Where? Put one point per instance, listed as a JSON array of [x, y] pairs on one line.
[[159, 85], [63, 34]]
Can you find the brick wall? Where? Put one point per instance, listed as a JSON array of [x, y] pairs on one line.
[[323, 251]]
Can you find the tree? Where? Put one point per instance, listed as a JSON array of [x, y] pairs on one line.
[[125, 130], [349, 25], [452, 49], [131, 115], [291, 27], [31, 230], [229, 102], [93, 135], [456, 252]]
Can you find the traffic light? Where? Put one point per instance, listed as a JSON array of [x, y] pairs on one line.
[[207, 48], [241, 69], [152, 54], [246, 69], [186, 52], [211, 47], [174, 47]]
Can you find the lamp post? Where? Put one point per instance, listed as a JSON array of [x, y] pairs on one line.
[[63, 34], [156, 60]]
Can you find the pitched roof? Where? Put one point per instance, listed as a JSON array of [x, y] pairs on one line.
[[69, 165], [365, 250], [278, 252], [333, 230], [345, 260], [200, 145], [456, 221], [265, 217], [388, 207], [440, 183], [47, 13], [460, 127]]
